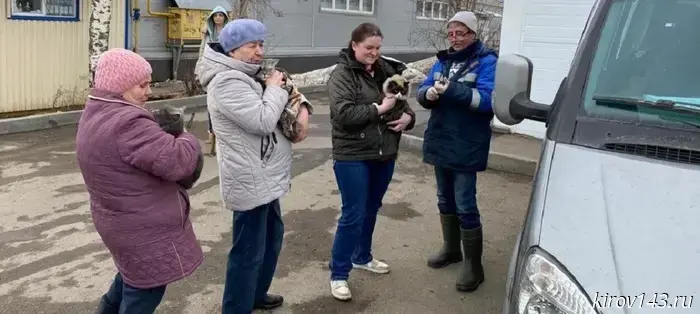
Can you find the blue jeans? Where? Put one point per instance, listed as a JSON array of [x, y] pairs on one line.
[[257, 242], [362, 185], [456, 194], [124, 299]]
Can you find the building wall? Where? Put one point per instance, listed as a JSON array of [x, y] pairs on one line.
[[305, 37], [44, 64], [548, 40]]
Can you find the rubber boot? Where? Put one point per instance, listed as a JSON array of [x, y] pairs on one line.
[[451, 252], [471, 275]]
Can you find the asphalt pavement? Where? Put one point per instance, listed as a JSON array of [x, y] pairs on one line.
[[52, 260]]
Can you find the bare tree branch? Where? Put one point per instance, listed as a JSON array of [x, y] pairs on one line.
[[429, 32], [256, 9]]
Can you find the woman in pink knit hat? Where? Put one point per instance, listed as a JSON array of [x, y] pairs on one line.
[[131, 168]]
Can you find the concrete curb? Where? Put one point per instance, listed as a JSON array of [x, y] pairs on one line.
[[313, 89], [500, 129], [497, 161], [58, 119]]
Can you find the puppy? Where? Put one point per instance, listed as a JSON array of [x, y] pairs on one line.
[[398, 86], [172, 121]]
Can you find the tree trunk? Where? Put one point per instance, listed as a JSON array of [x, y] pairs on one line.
[[239, 9], [100, 17]]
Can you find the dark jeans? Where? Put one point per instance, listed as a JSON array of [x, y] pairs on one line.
[[456, 194], [124, 299], [257, 242], [362, 185]]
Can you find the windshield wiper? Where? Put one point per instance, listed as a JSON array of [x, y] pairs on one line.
[[663, 104]]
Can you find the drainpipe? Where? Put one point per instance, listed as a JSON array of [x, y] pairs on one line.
[[127, 23], [136, 17], [313, 23]]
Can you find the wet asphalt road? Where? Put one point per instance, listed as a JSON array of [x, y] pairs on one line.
[[52, 260]]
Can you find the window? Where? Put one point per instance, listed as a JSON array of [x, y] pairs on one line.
[[44, 10], [430, 9], [348, 6], [629, 62]]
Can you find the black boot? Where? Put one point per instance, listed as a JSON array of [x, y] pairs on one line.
[[472, 273], [271, 301], [450, 252], [104, 307]]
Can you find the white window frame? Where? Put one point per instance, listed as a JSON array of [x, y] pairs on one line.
[[432, 3], [13, 14], [347, 10]]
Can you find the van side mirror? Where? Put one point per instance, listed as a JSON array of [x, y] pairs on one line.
[[511, 95]]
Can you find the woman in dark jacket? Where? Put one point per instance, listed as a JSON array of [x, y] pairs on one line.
[[366, 129]]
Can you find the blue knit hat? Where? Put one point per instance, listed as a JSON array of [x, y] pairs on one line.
[[240, 32]]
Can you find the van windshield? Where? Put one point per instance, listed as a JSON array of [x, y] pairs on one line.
[[648, 53]]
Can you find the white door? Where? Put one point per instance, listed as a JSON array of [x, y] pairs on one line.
[[547, 32]]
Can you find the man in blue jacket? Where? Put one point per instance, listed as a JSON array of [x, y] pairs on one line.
[[457, 140]]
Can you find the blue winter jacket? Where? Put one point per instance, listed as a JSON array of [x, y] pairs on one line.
[[458, 136]]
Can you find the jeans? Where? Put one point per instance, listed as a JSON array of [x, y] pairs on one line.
[[362, 185], [456, 194], [124, 299], [257, 242]]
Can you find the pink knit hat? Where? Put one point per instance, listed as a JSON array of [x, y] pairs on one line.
[[119, 69]]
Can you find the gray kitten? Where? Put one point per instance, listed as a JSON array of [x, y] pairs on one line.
[[172, 121]]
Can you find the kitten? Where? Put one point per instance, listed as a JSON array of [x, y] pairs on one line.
[[288, 120], [398, 86], [172, 121], [441, 82]]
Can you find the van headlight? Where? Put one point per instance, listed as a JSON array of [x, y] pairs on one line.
[[544, 287]]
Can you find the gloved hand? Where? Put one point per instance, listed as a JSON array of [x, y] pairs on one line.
[[441, 86], [432, 94]]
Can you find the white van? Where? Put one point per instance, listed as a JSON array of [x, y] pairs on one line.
[[613, 223]]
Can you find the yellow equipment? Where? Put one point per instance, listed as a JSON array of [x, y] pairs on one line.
[[186, 24], [184, 30]]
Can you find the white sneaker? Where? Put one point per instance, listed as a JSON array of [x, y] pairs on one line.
[[340, 290], [375, 266]]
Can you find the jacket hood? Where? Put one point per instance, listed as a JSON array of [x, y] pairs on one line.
[[215, 61], [345, 58], [213, 35]]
